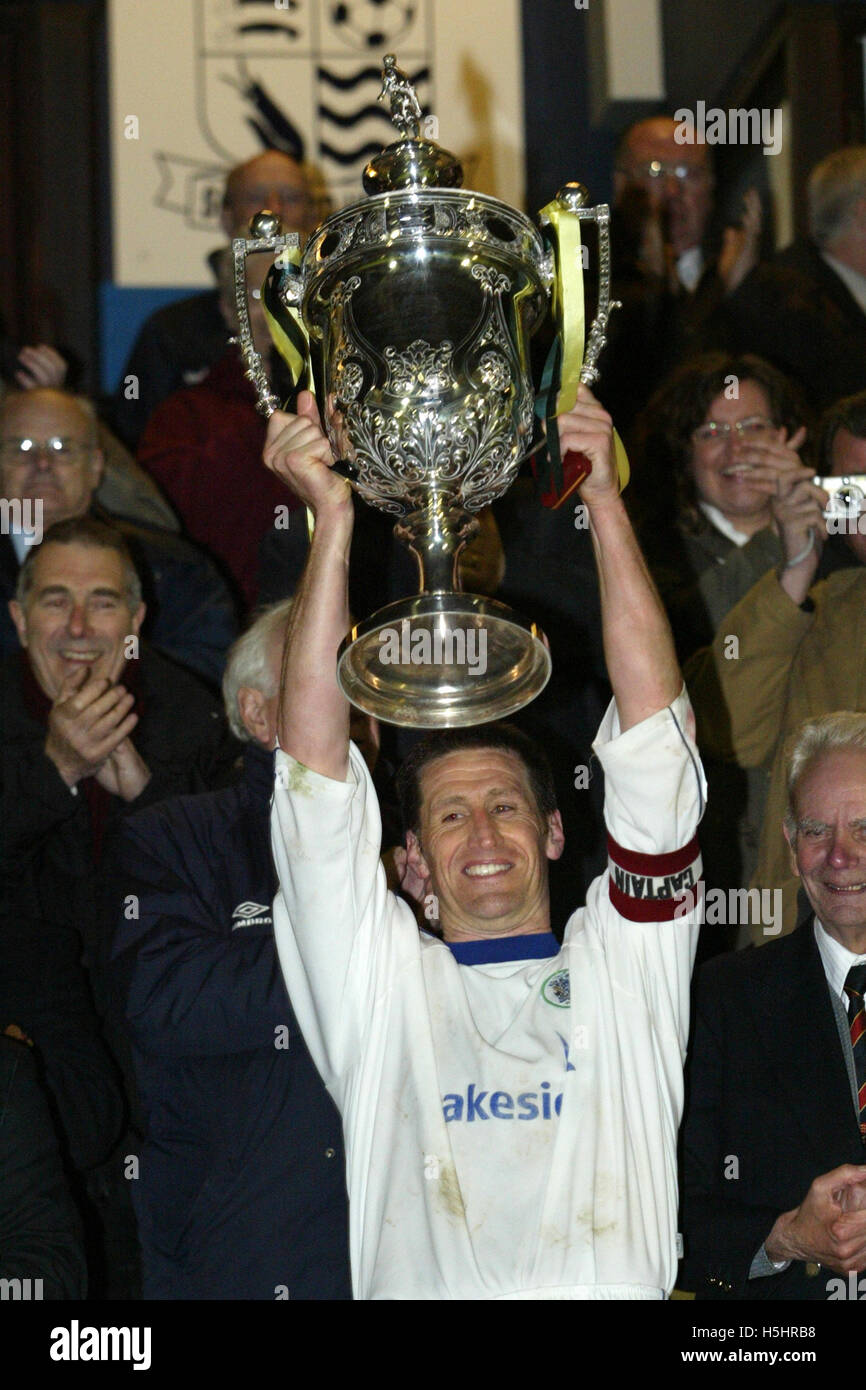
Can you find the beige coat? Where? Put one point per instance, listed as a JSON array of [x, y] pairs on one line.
[[771, 666]]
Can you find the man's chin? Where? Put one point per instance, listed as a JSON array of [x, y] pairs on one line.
[[840, 909], [495, 915]]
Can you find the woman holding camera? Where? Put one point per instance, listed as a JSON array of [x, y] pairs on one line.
[[721, 438]]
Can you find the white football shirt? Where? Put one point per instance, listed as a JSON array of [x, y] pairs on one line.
[[510, 1124]]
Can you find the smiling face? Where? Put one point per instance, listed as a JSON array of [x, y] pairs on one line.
[[484, 845], [720, 468], [76, 614], [829, 853]]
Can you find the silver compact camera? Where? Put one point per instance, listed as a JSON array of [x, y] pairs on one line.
[[847, 496]]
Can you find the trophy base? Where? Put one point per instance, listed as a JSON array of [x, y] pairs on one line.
[[442, 661]]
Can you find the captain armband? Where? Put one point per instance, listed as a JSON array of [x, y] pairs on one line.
[[653, 887]]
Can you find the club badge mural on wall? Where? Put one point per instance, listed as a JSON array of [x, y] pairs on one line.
[[199, 87], [254, 58]]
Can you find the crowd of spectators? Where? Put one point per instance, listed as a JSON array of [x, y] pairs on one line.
[[149, 1125]]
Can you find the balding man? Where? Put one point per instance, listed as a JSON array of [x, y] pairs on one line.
[[50, 467], [670, 186], [667, 276], [203, 446], [806, 310], [177, 345]]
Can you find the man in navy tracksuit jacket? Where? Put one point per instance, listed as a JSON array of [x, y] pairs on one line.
[[241, 1188]]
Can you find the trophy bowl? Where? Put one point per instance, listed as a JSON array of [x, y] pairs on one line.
[[417, 305]]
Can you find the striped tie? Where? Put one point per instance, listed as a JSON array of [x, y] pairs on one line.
[[855, 988]]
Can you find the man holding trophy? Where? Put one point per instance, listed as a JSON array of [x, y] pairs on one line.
[[510, 1105]]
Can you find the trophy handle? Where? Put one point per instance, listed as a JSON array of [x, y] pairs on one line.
[[573, 197], [265, 237]]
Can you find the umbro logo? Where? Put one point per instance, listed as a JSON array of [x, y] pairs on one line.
[[251, 915]]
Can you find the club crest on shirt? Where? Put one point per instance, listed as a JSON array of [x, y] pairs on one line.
[[556, 990]]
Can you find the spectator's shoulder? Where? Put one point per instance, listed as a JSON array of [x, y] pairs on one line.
[[154, 541], [189, 314], [167, 682], [176, 824], [725, 976], [168, 554]]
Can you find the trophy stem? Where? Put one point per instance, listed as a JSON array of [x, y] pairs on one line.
[[436, 534], [442, 659]]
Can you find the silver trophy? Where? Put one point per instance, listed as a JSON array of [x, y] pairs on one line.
[[418, 303]]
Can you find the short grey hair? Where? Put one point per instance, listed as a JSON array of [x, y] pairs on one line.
[[832, 732], [834, 187], [87, 531], [249, 663]]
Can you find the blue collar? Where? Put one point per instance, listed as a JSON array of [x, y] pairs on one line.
[[537, 946]]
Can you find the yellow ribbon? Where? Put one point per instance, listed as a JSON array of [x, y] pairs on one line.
[[569, 315], [289, 332], [285, 322]]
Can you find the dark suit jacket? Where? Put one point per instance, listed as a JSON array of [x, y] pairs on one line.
[[768, 1109], [799, 314]]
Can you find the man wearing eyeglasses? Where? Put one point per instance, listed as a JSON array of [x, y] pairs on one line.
[[672, 185], [666, 276], [50, 468], [178, 345]]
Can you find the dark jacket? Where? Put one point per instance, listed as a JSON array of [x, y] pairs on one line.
[[797, 313], [40, 1236], [768, 1091], [50, 838], [176, 345], [45, 995], [191, 616], [241, 1191]]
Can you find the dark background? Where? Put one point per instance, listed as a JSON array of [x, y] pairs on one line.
[[54, 187]]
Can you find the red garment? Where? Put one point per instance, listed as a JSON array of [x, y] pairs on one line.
[[203, 445]]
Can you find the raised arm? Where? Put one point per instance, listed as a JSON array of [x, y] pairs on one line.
[[313, 724], [638, 646]]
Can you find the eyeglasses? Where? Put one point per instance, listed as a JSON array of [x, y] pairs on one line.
[[715, 431], [60, 450], [656, 169]]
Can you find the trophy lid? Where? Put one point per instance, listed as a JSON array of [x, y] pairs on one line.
[[409, 162]]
